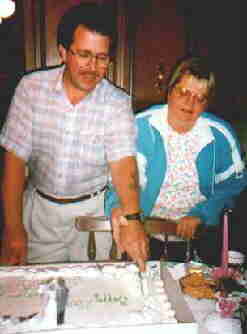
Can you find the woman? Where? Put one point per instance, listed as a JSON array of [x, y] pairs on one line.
[[189, 161]]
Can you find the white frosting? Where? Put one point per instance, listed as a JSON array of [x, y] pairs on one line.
[[99, 295]]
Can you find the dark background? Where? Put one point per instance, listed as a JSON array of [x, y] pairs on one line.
[[214, 28]]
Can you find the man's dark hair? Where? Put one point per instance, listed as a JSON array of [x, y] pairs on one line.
[[95, 17]]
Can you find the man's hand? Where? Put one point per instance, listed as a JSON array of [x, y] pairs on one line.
[[14, 239], [187, 226], [134, 242], [14, 248], [130, 237]]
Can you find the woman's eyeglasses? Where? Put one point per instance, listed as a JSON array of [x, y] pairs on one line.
[[184, 92]]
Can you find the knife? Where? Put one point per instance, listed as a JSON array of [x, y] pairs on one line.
[[144, 283]]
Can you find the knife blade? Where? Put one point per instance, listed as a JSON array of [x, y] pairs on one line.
[[144, 283]]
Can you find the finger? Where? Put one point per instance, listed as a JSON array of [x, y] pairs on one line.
[[14, 257], [115, 230], [116, 235], [180, 229], [195, 229], [120, 247], [189, 233], [23, 258], [133, 252], [141, 264], [23, 261], [180, 232], [3, 260], [14, 261], [186, 232], [192, 228], [145, 249], [139, 255], [192, 234]]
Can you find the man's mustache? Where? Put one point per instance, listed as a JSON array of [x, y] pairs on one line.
[[90, 73]]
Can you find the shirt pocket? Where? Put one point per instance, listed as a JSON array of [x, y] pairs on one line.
[[92, 150]]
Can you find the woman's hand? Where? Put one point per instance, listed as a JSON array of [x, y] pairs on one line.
[[187, 226]]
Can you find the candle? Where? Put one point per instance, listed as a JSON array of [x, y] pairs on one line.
[[224, 255]]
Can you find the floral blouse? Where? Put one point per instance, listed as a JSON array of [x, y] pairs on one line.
[[180, 189]]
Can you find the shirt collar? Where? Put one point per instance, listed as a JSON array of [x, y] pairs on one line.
[[58, 81]]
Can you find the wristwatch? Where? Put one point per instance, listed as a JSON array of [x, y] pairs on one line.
[[135, 216]]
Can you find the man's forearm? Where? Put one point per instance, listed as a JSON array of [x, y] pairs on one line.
[[12, 191], [132, 237], [125, 180]]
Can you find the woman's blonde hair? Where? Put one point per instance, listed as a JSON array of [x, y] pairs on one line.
[[197, 67]]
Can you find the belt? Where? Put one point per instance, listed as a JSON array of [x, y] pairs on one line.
[[70, 200]]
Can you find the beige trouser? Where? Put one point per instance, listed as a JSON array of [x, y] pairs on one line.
[[52, 236]]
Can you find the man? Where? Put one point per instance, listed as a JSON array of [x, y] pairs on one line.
[[70, 126]]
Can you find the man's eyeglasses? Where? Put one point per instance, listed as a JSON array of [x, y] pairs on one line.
[[84, 57], [184, 92]]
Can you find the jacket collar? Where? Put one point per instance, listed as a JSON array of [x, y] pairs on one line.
[[159, 117]]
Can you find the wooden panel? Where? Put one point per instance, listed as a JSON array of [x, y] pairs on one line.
[[53, 12], [33, 15], [159, 40]]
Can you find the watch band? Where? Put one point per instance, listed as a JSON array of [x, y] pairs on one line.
[[134, 216]]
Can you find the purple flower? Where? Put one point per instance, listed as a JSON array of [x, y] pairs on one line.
[[227, 307]]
